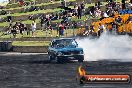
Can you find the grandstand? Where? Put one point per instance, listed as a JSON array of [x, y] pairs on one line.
[[22, 11]]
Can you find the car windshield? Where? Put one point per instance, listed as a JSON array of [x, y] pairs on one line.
[[65, 43]]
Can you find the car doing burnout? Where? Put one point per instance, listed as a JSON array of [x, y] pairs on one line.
[[65, 49]]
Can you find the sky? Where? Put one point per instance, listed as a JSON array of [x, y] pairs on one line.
[[3, 0]]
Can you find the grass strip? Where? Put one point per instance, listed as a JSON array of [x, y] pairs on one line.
[[30, 43]]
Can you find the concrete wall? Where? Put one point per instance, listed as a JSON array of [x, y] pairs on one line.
[[28, 39], [30, 49], [5, 46]]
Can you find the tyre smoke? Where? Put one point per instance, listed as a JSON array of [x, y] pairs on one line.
[[107, 47]]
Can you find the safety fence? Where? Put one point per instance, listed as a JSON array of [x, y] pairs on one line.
[[44, 32]]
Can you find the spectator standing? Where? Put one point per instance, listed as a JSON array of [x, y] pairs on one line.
[[27, 29], [74, 24], [104, 15], [14, 30], [21, 28], [114, 28], [47, 20], [61, 30], [9, 18], [9, 29], [51, 30], [98, 12], [92, 11], [118, 20], [75, 9], [57, 29], [33, 27], [63, 3], [79, 10], [86, 29], [82, 7], [101, 28], [43, 22], [86, 26], [21, 2]]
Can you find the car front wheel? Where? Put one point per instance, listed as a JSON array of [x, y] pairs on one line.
[[50, 58], [58, 60]]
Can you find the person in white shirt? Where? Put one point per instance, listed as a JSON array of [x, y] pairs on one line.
[[105, 14], [33, 27], [101, 29]]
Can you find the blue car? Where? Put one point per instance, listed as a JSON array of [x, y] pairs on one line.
[[64, 49]]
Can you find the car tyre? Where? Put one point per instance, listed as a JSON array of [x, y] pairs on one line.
[[57, 60], [50, 58]]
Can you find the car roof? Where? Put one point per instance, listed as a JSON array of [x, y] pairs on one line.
[[63, 39]]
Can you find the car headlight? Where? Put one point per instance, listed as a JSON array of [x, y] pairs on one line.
[[60, 53], [81, 52]]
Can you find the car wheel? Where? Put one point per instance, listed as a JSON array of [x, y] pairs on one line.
[[57, 60], [50, 58]]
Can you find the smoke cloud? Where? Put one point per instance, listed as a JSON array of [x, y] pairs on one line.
[[107, 47]]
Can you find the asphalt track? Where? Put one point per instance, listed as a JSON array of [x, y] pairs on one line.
[[34, 71]]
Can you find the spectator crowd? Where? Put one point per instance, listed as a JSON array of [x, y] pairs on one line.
[[79, 10]]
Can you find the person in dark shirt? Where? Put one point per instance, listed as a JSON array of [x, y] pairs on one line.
[[14, 30], [9, 18], [82, 5], [79, 10], [21, 28], [42, 21], [118, 19]]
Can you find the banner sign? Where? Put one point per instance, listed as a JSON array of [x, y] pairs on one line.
[[125, 11], [107, 78]]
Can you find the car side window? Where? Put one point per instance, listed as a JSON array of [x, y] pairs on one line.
[[74, 43], [53, 44]]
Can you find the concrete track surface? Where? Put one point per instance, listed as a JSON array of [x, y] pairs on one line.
[[34, 71]]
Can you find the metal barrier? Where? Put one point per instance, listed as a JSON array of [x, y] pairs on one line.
[[70, 30], [54, 32]]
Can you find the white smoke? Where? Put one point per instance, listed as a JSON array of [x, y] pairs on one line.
[[107, 47]]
